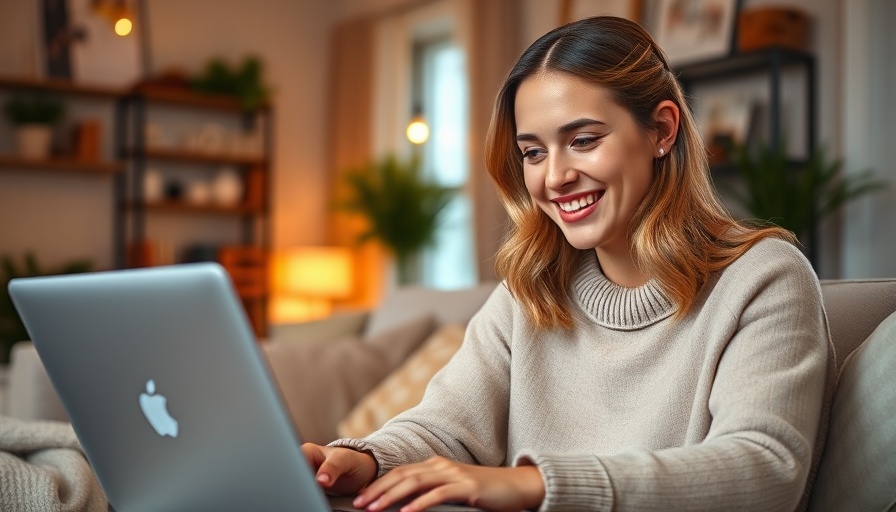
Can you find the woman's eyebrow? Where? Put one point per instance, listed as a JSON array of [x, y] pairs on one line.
[[578, 123], [566, 128]]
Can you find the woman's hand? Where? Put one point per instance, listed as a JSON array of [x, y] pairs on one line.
[[340, 470], [440, 480]]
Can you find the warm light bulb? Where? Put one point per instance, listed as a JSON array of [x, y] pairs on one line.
[[123, 27], [418, 131]]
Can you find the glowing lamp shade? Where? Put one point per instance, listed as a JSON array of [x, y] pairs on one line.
[[307, 280], [123, 27], [418, 131]]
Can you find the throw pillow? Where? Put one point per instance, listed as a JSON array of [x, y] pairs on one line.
[[397, 342], [857, 470], [404, 387]]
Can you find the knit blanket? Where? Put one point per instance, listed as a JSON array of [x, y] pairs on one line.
[[42, 469]]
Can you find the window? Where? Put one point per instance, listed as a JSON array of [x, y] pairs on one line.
[[442, 93]]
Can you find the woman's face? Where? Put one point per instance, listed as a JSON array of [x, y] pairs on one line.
[[586, 162]]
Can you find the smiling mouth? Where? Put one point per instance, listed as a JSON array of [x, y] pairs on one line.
[[580, 202]]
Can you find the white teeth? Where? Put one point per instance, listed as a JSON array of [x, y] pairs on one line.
[[577, 204]]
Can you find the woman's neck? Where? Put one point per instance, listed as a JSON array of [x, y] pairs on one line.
[[620, 268]]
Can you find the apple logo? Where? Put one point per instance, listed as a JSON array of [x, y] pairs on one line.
[[155, 408]]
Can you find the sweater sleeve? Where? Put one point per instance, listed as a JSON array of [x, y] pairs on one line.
[[463, 414], [766, 401]]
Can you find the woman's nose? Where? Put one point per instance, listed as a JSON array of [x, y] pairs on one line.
[[560, 173]]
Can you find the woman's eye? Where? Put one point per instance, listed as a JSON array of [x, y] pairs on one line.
[[583, 142], [531, 154]]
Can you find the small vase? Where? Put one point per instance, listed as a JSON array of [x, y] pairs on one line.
[[227, 187], [33, 141]]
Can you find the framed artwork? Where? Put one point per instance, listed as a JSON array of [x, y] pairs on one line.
[[726, 120], [573, 10], [693, 30]]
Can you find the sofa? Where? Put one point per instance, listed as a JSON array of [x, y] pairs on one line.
[[349, 373]]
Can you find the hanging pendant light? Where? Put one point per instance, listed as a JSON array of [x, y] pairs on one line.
[[118, 13], [418, 130]]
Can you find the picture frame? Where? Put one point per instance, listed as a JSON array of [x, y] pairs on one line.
[[574, 10], [689, 31], [727, 119]]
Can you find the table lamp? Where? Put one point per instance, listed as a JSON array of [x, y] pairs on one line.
[[306, 281]]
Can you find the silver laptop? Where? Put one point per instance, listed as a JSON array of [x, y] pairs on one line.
[[168, 392]]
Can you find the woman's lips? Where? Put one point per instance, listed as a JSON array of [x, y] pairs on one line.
[[575, 208]]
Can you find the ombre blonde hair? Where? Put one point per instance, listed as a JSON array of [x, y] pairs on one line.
[[680, 233]]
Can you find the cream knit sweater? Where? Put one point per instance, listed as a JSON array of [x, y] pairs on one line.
[[42, 469], [632, 410]]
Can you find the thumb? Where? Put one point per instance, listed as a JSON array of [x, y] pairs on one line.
[[345, 470], [338, 461], [314, 454]]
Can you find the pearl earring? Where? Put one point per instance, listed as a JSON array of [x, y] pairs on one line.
[[662, 151]]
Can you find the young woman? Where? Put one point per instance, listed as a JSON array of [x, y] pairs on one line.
[[646, 352]]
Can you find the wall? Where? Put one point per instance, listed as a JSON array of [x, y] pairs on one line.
[[869, 71], [66, 217]]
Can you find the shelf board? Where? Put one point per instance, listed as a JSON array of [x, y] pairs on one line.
[[196, 157], [60, 86], [61, 164], [185, 97], [183, 207], [729, 168], [755, 61]]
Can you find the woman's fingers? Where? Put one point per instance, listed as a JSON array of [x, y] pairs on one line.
[[440, 480], [340, 470]]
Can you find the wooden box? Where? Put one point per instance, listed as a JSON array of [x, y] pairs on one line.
[[764, 27]]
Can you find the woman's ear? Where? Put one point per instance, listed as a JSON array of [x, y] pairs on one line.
[[666, 116]]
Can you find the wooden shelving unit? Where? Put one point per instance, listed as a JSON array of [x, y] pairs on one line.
[[770, 62], [246, 258]]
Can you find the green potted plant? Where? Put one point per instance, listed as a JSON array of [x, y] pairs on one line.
[[11, 328], [796, 195], [244, 82], [33, 117], [401, 207]]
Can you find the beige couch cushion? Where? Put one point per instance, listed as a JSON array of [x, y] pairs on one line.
[[404, 387], [446, 306], [858, 468], [321, 381], [854, 308]]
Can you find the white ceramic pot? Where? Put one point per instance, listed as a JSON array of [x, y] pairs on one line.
[[227, 187], [33, 141], [199, 192]]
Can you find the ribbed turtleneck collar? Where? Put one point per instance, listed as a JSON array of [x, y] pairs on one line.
[[614, 306]]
